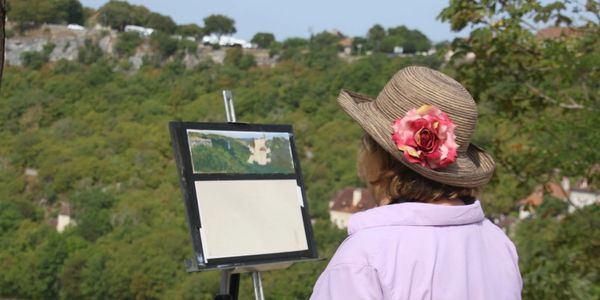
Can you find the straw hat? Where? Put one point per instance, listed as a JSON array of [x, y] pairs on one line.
[[411, 88]]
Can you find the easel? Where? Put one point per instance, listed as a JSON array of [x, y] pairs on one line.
[[230, 282], [230, 272]]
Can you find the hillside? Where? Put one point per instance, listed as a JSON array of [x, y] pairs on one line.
[[67, 44]]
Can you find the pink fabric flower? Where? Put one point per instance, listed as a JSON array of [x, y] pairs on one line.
[[426, 136]]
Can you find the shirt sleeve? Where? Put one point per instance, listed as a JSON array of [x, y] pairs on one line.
[[348, 281]]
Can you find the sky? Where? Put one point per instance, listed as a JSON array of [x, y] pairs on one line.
[[299, 18], [243, 134]]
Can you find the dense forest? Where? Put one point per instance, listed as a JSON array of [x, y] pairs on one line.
[[87, 133]]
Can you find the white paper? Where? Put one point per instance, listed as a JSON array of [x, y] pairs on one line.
[[250, 217]]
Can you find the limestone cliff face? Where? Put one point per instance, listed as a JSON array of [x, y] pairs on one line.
[[68, 42]]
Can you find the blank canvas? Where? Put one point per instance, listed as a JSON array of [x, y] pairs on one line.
[[250, 217]]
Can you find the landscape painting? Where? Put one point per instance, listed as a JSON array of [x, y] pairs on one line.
[[240, 152]]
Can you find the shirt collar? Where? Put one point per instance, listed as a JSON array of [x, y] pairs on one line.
[[416, 214]]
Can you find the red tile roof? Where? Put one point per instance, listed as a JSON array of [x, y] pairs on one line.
[[556, 32], [343, 200]]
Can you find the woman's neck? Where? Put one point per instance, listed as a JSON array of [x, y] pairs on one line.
[[449, 202]]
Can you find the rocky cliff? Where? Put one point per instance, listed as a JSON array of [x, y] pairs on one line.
[[67, 43]]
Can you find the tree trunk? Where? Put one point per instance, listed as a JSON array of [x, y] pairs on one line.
[[2, 37]]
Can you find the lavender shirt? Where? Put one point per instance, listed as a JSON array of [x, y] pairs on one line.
[[422, 251]]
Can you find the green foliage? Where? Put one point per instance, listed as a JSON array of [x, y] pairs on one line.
[[536, 96], [113, 162], [92, 214], [68, 11], [191, 29], [359, 45], [375, 35], [263, 39], [188, 46], [165, 44], [219, 25], [559, 256], [36, 59], [127, 43], [230, 155], [118, 14], [90, 53], [31, 13], [380, 40], [325, 40], [236, 57], [159, 22], [539, 110]]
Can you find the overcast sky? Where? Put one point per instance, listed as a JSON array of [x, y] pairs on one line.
[[297, 18]]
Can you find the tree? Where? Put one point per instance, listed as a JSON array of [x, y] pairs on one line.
[[263, 39], [31, 13], [538, 114], [89, 53], [159, 22], [68, 11], [115, 14], [91, 212], [411, 40], [127, 43], [165, 44], [36, 59], [191, 29], [359, 45], [325, 40], [236, 57], [375, 35], [219, 25]]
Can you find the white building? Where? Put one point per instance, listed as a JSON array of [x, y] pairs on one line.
[[75, 27], [579, 198], [139, 29], [226, 41], [64, 217], [349, 201]]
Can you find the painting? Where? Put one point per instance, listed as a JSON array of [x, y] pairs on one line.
[[240, 152]]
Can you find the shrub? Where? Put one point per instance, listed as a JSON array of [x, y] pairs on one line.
[[164, 44], [127, 43], [89, 53], [36, 59]]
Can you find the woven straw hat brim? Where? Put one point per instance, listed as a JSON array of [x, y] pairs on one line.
[[472, 168]]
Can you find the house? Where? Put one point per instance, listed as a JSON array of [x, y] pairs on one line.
[[346, 44], [63, 219], [348, 201], [226, 41], [579, 196], [139, 29], [528, 205], [582, 195], [75, 27], [556, 32]]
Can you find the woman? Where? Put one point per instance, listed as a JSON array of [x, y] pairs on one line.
[[429, 238]]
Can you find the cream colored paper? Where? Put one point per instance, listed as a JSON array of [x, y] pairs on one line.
[[250, 217]]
